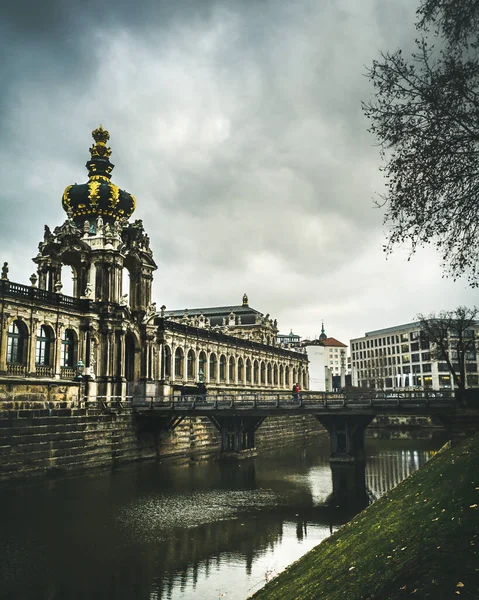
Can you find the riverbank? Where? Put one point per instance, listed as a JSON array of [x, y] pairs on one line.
[[420, 540]]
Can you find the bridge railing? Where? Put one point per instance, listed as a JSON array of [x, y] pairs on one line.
[[305, 400]]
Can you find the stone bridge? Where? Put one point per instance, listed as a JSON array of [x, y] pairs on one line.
[[345, 417]]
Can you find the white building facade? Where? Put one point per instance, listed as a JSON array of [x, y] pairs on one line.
[[400, 358]]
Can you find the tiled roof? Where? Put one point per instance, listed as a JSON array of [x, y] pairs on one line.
[[330, 341]]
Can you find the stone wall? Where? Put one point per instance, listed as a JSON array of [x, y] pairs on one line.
[[43, 430]]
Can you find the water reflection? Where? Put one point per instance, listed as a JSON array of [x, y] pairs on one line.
[[169, 531]]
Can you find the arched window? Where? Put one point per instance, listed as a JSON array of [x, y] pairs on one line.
[[67, 357], [190, 364], [179, 362], [295, 379], [240, 370], [167, 359], [16, 343], [231, 373], [130, 356], [222, 367], [202, 367], [275, 375], [213, 364], [248, 370], [255, 372], [305, 380], [268, 373], [286, 377], [263, 373], [43, 349], [281, 376]]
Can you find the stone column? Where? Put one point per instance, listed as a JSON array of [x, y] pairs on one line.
[[3, 342], [32, 343], [57, 352]]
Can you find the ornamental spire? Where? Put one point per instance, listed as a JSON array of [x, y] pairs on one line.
[[100, 149], [100, 165], [323, 335]]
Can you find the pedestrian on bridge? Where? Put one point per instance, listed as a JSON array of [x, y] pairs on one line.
[[296, 391]]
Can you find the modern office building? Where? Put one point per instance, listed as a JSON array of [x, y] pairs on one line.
[[400, 357]]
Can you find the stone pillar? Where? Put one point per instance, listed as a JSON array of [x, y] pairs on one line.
[[347, 455], [57, 352], [32, 343], [122, 351], [173, 363], [3, 343], [185, 365], [207, 368]]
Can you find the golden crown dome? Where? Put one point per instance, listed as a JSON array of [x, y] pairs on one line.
[[99, 196]]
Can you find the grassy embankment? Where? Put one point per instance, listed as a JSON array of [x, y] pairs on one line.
[[419, 541]]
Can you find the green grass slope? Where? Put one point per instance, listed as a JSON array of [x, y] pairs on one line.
[[418, 541]]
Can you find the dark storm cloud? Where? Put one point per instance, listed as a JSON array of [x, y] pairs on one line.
[[238, 127]]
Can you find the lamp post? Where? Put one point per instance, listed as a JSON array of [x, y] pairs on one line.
[[79, 377]]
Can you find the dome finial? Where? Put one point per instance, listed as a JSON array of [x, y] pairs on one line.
[[100, 149]]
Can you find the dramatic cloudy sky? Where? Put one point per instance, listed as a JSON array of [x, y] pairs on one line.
[[238, 127]]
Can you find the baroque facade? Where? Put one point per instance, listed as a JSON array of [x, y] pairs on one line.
[[118, 342]]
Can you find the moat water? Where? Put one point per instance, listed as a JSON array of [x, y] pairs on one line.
[[205, 530]]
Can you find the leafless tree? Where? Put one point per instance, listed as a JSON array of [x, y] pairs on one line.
[[425, 115], [452, 338]]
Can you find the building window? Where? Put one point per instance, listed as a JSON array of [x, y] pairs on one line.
[[44, 345], [444, 381], [263, 373], [67, 358], [190, 364], [232, 370], [179, 362], [255, 372], [213, 364], [222, 367], [16, 343], [167, 361], [248, 370], [240, 370], [201, 366]]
